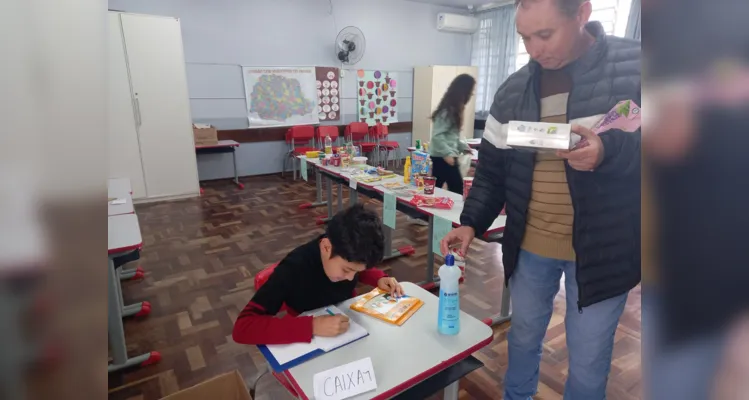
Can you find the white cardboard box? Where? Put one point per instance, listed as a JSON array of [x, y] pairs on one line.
[[541, 136]]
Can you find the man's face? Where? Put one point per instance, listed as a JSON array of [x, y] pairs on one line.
[[549, 35], [336, 268]]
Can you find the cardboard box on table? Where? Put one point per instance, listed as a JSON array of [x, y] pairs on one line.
[[229, 386], [205, 135]]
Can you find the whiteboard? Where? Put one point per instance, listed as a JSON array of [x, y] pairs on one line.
[[280, 96]]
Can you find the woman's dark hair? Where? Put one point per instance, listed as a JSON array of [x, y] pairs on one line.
[[356, 235], [455, 99]]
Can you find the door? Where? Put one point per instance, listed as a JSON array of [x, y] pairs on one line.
[[124, 149], [157, 74]]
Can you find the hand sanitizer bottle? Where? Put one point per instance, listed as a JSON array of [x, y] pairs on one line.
[[449, 307]]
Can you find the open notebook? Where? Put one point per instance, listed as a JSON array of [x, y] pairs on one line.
[[284, 356]]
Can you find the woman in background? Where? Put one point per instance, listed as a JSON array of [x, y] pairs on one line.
[[446, 145]]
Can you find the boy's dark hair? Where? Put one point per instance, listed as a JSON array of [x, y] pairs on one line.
[[568, 7], [355, 234]]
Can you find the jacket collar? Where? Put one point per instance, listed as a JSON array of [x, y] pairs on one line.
[[590, 59]]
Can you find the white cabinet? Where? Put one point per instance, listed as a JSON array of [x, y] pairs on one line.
[[430, 84], [150, 128]]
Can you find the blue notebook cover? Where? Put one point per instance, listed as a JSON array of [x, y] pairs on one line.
[[293, 363]]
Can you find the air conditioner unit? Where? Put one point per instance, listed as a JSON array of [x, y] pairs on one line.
[[456, 23]]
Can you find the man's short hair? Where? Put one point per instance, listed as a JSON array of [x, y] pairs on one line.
[[568, 7], [356, 235]]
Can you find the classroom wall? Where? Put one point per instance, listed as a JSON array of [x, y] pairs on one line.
[[222, 35]]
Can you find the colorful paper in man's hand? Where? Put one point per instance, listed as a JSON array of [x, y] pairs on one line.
[[625, 116]]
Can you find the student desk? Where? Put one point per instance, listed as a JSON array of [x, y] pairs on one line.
[[120, 209], [376, 190], [117, 186], [402, 356], [222, 146], [123, 237], [120, 188]]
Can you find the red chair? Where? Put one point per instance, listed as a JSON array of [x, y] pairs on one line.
[[380, 133], [357, 133], [329, 130], [304, 136]]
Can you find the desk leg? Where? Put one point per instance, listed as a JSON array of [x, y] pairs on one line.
[[234, 159], [318, 195], [451, 391], [117, 332], [133, 273], [329, 193], [504, 310], [388, 250], [140, 309], [353, 197], [430, 282], [340, 197]]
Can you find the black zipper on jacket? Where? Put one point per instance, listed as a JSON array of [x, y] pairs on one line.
[[567, 169]]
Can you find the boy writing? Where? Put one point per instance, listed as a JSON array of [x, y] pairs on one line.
[[322, 272]]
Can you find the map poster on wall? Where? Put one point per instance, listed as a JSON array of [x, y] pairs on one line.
[[377, 98], [328, 93], [280, 96]]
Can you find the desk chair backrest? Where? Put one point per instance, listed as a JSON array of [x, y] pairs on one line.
[[378, 131], [323, 131], [301, 134], [356, 131]]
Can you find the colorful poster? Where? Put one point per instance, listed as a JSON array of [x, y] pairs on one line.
[[280, 96], [377, 98], [328, 93]]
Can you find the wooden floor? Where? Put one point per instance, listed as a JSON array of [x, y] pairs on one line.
[[200, 257]]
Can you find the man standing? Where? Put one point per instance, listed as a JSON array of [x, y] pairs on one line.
[[575, 212]]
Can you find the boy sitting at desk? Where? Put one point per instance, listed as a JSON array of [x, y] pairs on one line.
[[322, 272]]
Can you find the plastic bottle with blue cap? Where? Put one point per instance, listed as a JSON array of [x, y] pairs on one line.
[[449, 307]]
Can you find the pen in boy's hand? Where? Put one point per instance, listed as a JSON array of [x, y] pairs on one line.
[[329, 312]]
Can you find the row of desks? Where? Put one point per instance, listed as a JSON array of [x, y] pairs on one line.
[[123, 238], [336, 176], [427, 361]]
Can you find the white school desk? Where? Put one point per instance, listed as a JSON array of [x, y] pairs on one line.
[[123, 236], [118, 186], [120, 209], [402, 356], [222, 146], [452, 215]]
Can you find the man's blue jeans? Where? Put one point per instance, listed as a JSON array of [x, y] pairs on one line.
[[590, 334]]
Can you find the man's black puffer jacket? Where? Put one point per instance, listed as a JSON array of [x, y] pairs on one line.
[[606, 202]]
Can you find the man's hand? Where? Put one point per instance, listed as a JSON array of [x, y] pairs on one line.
[[450, 161], [390, 285], [463, 235], [329, 325], [588, 157]]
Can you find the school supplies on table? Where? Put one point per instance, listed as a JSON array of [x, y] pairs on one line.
[[379, 304], [419, 166], [443, 203], [284, 356]]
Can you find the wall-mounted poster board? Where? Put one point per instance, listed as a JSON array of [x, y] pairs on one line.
[[377, 97], [328, 93], [280, 96]]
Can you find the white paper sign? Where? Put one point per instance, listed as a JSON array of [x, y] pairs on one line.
[[352, 183], [345, 381]]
